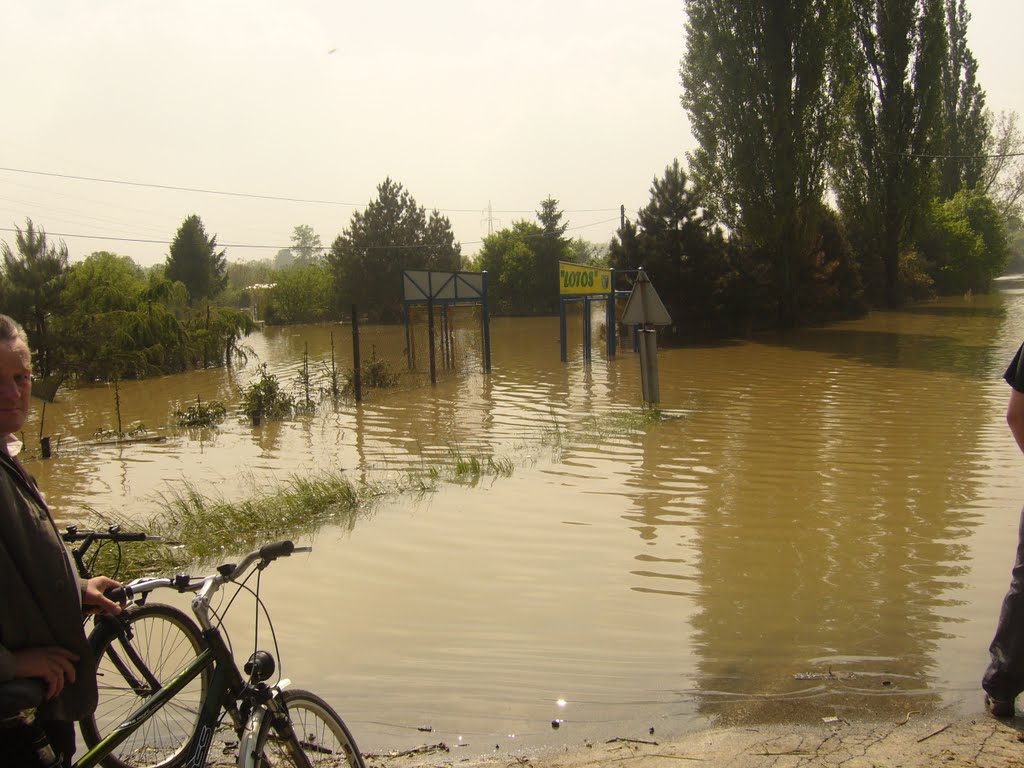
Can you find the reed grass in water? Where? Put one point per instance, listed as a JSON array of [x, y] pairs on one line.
[[199, 528]]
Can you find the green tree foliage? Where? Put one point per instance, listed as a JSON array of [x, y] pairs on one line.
[[965, 122], [756, 87], [684, 253], [300, 295], [34, 274], [306, 245], [521, 262], [517, 284], [104, 282], [968, 243], [391, 235], [284, 259], [885, 178], [195, 261], [214, 336], [551, 248], [146, 340]]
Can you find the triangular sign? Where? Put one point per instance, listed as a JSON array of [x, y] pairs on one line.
[[644, 306]]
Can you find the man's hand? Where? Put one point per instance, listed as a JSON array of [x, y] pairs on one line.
[[92, 595], [53, 664]]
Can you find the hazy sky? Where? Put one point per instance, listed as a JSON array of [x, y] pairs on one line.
[[467, 103]]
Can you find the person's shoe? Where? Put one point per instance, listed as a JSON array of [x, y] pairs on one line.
[[998, 707]]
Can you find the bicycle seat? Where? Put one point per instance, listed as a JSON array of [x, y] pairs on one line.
[[20, 694]]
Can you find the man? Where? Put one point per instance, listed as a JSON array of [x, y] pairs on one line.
[[41, 598], [1004, 678]]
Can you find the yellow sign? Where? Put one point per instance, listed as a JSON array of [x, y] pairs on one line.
[[580, 280]]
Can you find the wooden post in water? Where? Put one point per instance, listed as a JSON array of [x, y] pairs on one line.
[[357, 378]]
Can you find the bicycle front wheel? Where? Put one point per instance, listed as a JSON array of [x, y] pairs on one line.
[[319, 733], [136, 655]]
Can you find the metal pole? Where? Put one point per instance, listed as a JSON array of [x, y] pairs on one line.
[[563, 345], [430, 334], [586, 330], [610, 316], [486, 320], [409, 357]]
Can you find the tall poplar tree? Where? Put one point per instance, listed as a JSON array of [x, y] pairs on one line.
[[756, 86], [885, 177], [965, 122]]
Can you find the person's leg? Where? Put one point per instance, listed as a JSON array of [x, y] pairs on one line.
[[1004, 678]]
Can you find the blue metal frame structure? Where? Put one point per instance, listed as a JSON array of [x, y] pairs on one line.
[[445, 289]]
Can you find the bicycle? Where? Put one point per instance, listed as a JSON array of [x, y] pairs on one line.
[[136, 652], [275, 725]]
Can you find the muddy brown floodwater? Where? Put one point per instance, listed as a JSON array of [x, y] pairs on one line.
[[822, 525]]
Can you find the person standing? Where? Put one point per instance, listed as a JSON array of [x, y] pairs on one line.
[[41, 596], [1004, 678]]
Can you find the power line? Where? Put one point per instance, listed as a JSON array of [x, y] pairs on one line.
[[258, 246], [998, 155], [251, 195]]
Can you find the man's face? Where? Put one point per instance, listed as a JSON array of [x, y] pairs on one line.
[[15, 385]]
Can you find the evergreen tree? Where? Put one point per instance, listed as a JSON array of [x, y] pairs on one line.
[[549, 249], [682, 250], [195, 261], [35, 272], [391, 235]]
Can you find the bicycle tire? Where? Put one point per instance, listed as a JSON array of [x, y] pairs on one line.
[[322, 735], [146, 648]]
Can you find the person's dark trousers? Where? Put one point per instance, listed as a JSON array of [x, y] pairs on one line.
[[16, 750], [1004, 678]]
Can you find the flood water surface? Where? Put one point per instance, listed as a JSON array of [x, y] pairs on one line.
[[822, 523]]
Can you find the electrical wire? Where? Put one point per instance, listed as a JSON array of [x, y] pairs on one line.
[[257, 246], [254, 196]]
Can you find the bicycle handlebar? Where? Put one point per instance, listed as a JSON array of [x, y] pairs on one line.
[[225, 573], [113, 533]]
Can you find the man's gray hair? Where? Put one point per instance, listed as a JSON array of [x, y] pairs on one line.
[[11, 330]]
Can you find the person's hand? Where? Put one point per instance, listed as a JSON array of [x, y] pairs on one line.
[[92, 595], [53, 664]]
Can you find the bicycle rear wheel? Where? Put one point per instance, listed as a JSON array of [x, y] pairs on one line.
[[135, 655], [319, 732]]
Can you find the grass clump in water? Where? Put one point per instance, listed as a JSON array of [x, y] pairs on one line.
[[198, 528]]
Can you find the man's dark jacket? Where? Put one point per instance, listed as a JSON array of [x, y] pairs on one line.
[[40, 599]]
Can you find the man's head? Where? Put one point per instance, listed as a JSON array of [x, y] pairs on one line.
[[15, 376]]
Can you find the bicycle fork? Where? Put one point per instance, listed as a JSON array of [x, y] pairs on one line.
[[269, 712]]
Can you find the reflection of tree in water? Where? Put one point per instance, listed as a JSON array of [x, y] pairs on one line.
[[268, 437], [818, 504]]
